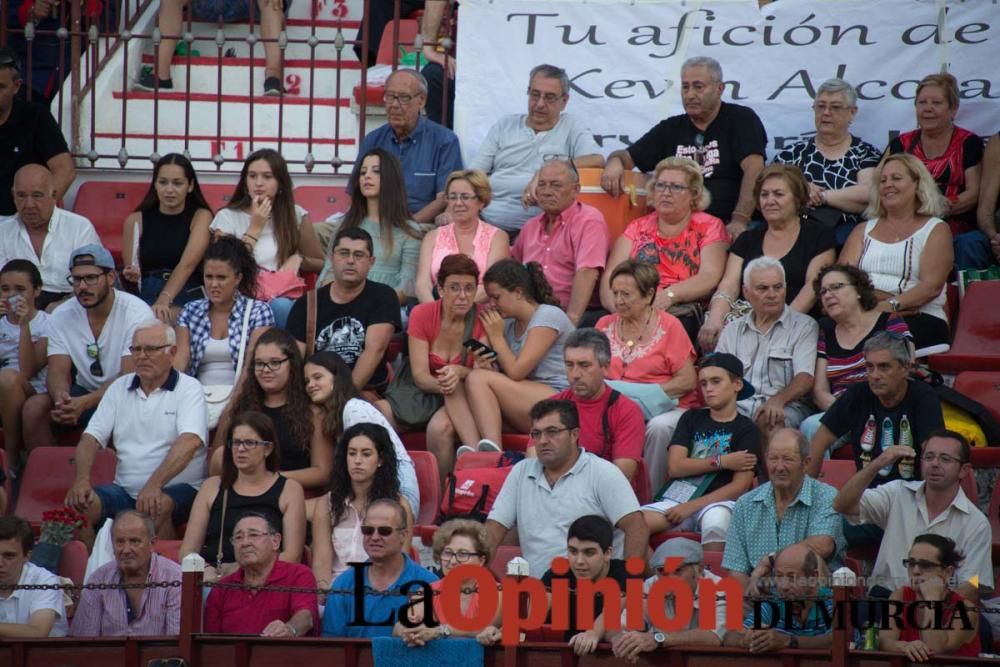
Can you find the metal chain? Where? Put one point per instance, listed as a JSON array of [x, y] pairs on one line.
[[88, 587]]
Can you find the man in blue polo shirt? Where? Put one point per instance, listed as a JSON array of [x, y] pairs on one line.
[[428, 152], [384, 578]]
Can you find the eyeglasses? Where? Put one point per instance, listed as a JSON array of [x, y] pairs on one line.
[[358, 255], [910, 563], [672, 188], [384, 531], [94, 352], [460, 556], [547, 98], [835, 287], [251, 536], [465, 196], [551, 432], [458, 288], [89, 280], [247, 444], [272, 365], [404, 100], [146, 350], [946, 459], [832, 108]]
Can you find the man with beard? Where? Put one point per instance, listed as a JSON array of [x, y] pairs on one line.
[[88, 345]]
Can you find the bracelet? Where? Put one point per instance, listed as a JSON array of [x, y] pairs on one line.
[[170, 298], [723, 295], [249, 236], [291, 628]]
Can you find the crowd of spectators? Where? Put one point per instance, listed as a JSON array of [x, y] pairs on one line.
[[717, 351]]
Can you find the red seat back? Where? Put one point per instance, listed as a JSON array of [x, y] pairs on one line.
[[218, 195], [50, 473], [430, 486], [836, 473], [73, 561], [982, 386], [322, 201], [976, 345], [168, 549], [502, 556], [388, 53], [106, 205], [478, 460], [640, 483]]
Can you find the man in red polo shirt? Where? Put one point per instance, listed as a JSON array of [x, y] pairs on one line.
[[611, 424], [266, 613]]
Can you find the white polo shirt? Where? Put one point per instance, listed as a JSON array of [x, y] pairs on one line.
[[67, 232], [146, 427], [69, 333], [21, 604], [900, 509]]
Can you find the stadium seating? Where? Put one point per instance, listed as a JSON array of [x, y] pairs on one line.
[[218, 194], [322, 201], [430, 486], [976, 345], [477, 460], [168, 548], [836, 473], [983, 386], [640, 483], [7, 486], [388, 55], [503, 554], [73, 561], [106, 204], [50, 473]]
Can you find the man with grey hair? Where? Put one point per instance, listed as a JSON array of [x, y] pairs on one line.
[[158, 419], [569, 240], [428, 152], [611, 425], [149, 611], [889, 409], [727, 140], [777, 346], [516, 146]]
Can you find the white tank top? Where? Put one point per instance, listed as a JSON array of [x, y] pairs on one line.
[[216, 364], [895, 267]]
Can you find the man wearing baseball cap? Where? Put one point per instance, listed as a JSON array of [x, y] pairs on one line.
[[628, 644], [712, 458], [88, 345]]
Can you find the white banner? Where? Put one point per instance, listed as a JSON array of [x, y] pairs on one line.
[[623, 58]]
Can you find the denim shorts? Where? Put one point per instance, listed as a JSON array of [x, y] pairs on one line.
[[115, 499], [230, 10]]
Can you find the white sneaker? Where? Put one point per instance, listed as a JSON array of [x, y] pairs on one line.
[[489, 446], [462, 451]]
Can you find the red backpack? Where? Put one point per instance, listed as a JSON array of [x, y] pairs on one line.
[[470, 493]]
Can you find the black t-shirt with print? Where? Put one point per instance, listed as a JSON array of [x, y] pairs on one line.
[[616, 572], [705, 438]]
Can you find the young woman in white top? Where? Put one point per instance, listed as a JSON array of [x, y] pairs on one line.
[[23, 348], [263, 214], [906, 249]]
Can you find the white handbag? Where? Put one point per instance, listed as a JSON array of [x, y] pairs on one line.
[[217, 395]]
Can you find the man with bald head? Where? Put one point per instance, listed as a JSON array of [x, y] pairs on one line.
[[789, 615], [43, 233], [791, 508], [427, 151]]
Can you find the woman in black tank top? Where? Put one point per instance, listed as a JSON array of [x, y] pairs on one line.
[[172, 222], [250, 482]]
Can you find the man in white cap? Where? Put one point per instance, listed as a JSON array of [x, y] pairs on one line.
[[628, 644]]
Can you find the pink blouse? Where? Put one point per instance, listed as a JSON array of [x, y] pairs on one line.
[[446, 243]]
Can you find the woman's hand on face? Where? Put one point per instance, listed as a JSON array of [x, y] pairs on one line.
[[260, 207], [493, 323]]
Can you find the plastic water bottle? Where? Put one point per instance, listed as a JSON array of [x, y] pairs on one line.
[[906, 440], [887, 441], [867, 441]]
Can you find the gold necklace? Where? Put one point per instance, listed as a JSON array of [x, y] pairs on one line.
[[630, 343]]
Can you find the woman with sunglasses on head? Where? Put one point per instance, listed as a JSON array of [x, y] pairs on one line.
[[172, 222], [263, 214], [210, 330], [250, 482], [467, 193], [931, 565], [686, 245], [364, 470], [457, 542], [276, 387], [329, 386]]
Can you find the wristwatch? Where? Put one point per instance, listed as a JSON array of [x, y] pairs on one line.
[[670, 293], [894, 304], [660, 639], [445, 630]]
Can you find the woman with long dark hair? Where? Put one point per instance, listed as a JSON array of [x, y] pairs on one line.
[[329, 386], [172, 222], [263, 214], [250, 482], [276, 387], [364, 470]]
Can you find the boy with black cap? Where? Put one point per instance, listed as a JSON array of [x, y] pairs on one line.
[[713, 456]]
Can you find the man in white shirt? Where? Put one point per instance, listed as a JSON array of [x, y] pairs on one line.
[[89, 335], [43, 233], [158, 418], [26, 613]]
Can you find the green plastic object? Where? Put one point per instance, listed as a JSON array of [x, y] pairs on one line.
[[182, 50]]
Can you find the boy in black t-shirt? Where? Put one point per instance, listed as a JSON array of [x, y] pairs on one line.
[[712, 458], [588, 549]]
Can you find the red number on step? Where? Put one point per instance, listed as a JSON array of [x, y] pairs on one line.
[[293, 84]]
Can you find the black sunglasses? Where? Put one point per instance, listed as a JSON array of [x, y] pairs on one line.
[[384, 531]]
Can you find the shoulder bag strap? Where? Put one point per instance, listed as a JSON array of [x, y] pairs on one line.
[[222, 532], [605, 423], [243, 337], [311, 322]]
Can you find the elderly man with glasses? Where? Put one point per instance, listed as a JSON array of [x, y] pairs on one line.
[[518, 144], [268, 613], [88, 345], [158, 419], [388, 578], [427, 151]]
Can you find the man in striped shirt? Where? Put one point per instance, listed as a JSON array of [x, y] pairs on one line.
[[132, 611]]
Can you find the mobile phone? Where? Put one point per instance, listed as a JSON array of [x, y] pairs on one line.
[[474, 345]]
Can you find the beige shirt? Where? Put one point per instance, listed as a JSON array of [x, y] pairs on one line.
[[900, 509]]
